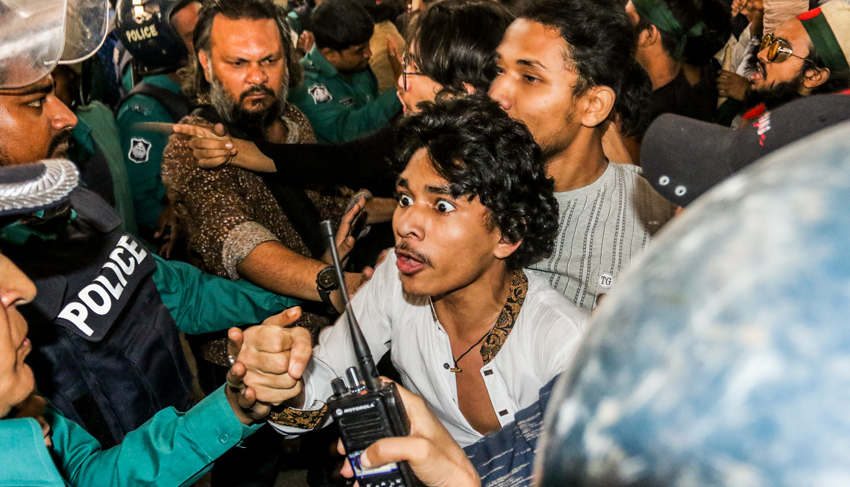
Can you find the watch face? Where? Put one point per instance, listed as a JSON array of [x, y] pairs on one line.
[[327, 278]]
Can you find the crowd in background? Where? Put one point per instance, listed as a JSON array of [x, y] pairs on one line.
[[491, 170]]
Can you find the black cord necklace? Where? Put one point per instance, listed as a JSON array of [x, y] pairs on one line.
[[457, 369]]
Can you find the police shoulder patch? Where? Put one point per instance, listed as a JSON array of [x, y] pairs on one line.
[[140, 150], [320, 93]]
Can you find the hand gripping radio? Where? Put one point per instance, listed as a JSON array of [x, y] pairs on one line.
[[365, 408]]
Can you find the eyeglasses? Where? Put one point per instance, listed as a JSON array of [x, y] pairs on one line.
[[778, 50], [406, 61]]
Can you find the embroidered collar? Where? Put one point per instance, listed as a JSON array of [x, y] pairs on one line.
[[494, 340]]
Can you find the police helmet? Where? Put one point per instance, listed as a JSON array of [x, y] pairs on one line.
[[39, 34], [723, 357], [145, 29], [36, 192]]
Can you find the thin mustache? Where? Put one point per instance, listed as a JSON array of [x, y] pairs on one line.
[[404, 247]]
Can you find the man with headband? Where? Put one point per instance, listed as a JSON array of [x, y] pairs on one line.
[[664, 27], [805, 56]]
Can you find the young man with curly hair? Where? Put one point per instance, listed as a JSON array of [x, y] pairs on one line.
[[466, 327]]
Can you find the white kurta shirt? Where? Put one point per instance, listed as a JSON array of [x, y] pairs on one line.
[[536, 348]]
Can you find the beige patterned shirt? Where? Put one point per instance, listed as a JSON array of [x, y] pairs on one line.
[[227, 212]]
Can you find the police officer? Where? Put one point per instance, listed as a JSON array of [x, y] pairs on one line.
[[108, 314], [158, 34], [41, 446], [340, 92], [105, 322]]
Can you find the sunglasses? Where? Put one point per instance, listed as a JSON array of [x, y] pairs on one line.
[[778, 50], [407, 60]]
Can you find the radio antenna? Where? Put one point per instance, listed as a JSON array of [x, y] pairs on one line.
[[361, 348]]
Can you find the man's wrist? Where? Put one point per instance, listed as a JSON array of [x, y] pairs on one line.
[[327, 283], [246, 416]]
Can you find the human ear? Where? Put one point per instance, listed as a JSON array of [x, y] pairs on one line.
[[598, 103], [504, 247], [815, 77], [332, 55], [206, 65], [470, 90], [647, 36]]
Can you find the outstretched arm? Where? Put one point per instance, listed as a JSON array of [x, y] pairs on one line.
[[175, 448], [361, 163], [203, 303], [214, 148]]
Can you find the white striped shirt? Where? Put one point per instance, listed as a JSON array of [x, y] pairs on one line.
[[602, 227]]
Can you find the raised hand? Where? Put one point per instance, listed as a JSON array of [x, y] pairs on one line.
[[211, 148], [305, 41], [394, 54], [268, 360], [345, 238], [214, 149], [732, 85], [167, 221]]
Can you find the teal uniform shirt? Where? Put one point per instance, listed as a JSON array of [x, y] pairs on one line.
[[198, 302], [295, 22], [96, 127], [204, 303], [171, 449], [143, 152], [338, 109]]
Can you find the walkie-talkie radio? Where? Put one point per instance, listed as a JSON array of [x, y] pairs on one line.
[[365, 408]]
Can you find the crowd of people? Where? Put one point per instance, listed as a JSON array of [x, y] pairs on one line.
[[492, 171]]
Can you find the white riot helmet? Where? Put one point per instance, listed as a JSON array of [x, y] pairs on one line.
[[36, 35]]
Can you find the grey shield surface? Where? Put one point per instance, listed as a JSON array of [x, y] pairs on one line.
[[86, 25], [35, 35], [723, 356], [31, 39]]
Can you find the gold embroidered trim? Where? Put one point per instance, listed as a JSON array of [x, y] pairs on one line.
[[507, 318], [296, 418]]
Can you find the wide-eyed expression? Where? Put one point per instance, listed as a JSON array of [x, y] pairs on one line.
[[443, 243]]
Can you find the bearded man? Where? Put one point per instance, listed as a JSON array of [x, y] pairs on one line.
[[238, 226], [805, 56]]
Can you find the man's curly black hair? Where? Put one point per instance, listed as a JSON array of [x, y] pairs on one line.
[[481, 151]]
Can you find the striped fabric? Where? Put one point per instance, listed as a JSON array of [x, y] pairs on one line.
[[602, 227], [506, 458]]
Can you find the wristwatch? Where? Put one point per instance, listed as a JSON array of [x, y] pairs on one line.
[[326, 282]]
